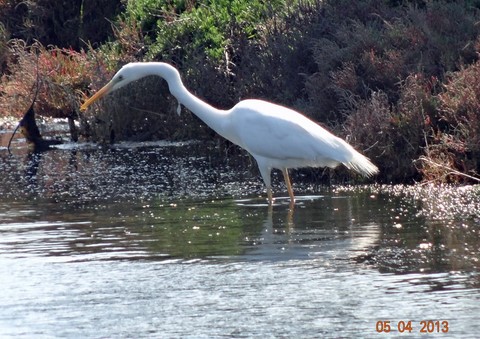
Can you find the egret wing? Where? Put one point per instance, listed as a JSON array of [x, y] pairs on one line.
[[276, 132]]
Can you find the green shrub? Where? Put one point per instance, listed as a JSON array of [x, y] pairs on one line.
[[178, 29], [258, 58]]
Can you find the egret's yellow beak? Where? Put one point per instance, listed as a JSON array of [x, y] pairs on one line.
[[101, 93]]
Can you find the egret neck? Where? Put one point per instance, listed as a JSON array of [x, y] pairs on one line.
[[217, 119]]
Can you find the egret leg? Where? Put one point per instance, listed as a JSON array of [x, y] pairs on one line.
[[290, 223], [265, 171], [289, 185], [269, 194]]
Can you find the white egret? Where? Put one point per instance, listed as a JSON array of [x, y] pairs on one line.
[[276, 136]]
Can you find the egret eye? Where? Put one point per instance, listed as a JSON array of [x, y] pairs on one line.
[[120, 77]]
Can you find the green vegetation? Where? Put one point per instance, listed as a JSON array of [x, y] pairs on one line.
[[398, 79], [183, 28]]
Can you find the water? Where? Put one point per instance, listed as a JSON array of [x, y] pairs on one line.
[[175, 240]]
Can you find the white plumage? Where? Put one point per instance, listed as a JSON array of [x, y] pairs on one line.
[[276, 136]]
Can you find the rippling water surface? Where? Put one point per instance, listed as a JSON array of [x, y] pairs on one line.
[[175, 240]]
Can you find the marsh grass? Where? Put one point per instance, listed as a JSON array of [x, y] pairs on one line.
[[53, 78], [401, 83]]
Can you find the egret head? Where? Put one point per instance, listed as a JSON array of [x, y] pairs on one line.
[[124, 76]]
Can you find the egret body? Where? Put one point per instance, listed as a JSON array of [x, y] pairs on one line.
[[276, 136]]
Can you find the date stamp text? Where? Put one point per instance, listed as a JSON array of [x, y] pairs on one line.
[[410, 326]]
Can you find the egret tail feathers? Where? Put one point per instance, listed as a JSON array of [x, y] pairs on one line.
[[362, 165]]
